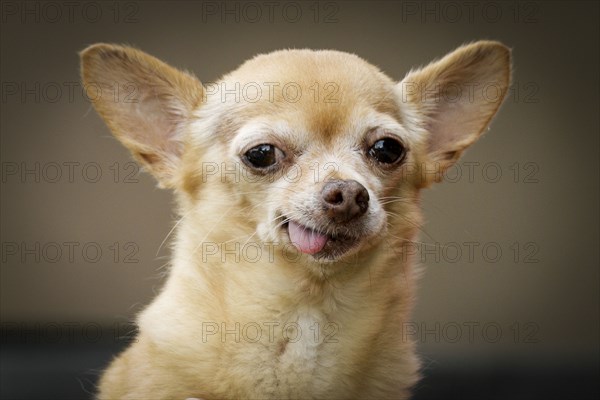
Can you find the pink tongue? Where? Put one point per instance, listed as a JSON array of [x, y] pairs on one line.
[[305, 239]]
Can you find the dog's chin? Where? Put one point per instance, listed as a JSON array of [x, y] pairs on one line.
[[323, 246]]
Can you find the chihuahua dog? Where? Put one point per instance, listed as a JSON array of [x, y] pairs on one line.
[[297, 179]]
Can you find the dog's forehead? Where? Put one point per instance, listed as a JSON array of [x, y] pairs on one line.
[[301, 65], [321, 90]]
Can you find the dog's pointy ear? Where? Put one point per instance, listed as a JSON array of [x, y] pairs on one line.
[[145, 102], [453, 100]]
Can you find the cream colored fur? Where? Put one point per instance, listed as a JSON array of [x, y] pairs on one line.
[[181, 131]]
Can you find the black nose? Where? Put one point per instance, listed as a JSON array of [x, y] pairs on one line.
[[344, 200]]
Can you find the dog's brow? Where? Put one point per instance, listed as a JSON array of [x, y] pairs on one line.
[[257, 129], [380, 120]]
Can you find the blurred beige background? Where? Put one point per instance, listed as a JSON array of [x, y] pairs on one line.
[[538, 299]]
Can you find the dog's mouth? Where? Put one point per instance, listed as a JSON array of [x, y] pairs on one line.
[[321, 245]]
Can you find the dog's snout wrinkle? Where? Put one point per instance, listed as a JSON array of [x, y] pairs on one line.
[[344, 200]]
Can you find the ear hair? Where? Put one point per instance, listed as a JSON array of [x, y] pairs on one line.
[[452, 101], [146, 103]]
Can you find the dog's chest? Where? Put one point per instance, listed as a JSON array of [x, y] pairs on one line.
[[301, 339], [298, 357]]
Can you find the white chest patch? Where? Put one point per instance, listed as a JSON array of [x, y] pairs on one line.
[[304, 349]]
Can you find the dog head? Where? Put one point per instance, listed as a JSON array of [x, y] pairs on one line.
[[318, 149]]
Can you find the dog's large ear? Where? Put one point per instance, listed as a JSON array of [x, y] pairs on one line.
[[453, 100], [145, 102]]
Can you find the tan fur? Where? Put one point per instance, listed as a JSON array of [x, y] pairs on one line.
[[364, 296]]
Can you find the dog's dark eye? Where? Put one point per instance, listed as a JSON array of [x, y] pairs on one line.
[[262, 156], [387, 151]]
